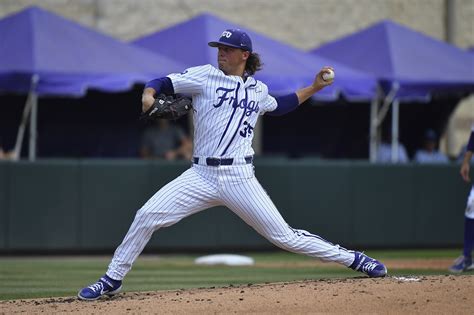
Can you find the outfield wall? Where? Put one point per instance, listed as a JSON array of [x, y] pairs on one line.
[[88, 205]]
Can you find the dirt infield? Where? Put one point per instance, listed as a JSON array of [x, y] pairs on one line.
[[390, 295]]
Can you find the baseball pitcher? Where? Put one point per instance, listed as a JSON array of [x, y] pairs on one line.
[[226, 101]]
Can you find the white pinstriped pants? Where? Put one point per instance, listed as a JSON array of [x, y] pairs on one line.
[[235, 187]]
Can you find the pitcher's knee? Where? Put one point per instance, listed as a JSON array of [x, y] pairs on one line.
[[148, 218], [157, 217], [287, 242]]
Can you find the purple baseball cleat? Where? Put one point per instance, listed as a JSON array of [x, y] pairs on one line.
[[104, 286], [371, 267], [462, 264]]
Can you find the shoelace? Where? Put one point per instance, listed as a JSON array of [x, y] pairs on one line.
[[97, 287], [369, 266]]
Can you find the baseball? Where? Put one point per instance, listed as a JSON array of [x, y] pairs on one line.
[[328, 76]]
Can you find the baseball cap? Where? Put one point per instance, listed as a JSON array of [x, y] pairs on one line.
[[234, 38], [431, 135]]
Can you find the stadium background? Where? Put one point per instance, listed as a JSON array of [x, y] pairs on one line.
[[304, 24], [418, 205]]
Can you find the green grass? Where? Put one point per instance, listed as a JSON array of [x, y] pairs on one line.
[[33, 277]]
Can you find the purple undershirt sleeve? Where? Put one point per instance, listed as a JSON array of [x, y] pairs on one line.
[[161, 85], [470, 144], [286, 104]]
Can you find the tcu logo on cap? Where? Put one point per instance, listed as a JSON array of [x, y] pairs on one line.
[[226, 34]]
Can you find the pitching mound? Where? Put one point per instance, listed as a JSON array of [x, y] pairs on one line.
[[427, 294]]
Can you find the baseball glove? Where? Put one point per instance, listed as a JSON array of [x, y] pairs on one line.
[[168, 107]]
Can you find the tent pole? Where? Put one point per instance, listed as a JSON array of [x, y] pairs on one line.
[[395, 122], [33, 118], [380, 115], [386, 103], [374, 127], [21, 129]]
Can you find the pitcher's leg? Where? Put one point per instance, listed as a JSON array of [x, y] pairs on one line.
[[187, 194], [251, 203]]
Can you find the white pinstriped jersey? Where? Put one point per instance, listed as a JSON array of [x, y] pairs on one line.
[[226, 110]]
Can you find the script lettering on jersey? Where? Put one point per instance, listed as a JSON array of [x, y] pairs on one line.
[[227, 95]]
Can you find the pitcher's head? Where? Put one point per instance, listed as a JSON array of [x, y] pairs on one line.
[[234, 38], [235, 53]]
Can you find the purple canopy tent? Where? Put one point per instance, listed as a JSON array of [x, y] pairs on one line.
[[409, 65], [285, 69], [44, 54]]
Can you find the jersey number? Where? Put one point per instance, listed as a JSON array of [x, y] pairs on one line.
[[247, 130]]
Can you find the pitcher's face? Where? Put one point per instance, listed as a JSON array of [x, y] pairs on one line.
[[232, 60]]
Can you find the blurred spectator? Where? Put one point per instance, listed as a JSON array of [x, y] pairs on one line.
[[429, 152], [165, 140], [384, 151], [5, 155]]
